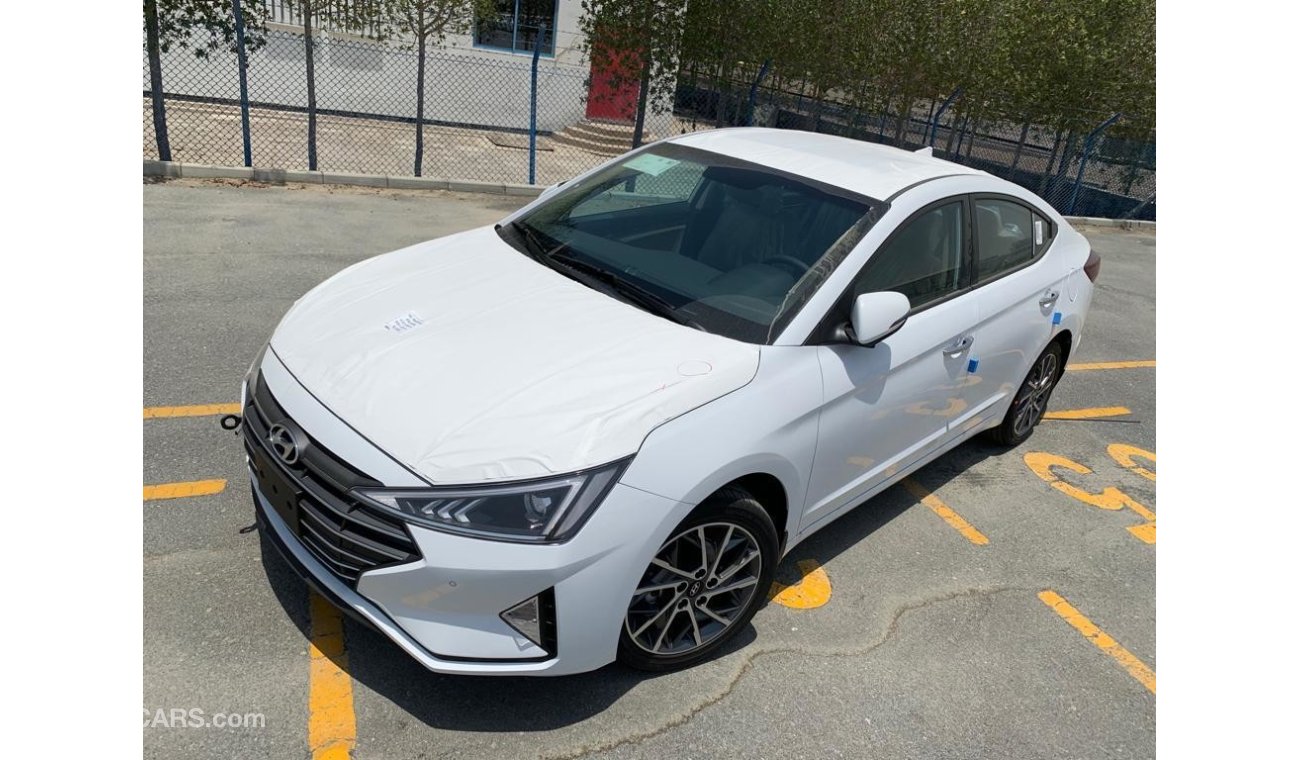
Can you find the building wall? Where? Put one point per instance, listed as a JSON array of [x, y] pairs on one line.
[[283, 15], [464, 84], [568, 39]]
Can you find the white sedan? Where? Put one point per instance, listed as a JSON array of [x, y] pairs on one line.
[[592, 431]]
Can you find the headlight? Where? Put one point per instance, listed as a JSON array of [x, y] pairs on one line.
[[546, 510]]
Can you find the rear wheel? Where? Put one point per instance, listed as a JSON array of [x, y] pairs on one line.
[[703, 585], [1030, 403]]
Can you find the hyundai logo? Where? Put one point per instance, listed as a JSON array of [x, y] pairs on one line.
[[283, 443]]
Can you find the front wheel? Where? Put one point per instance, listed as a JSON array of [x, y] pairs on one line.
[[703, 585], [1030, 403]]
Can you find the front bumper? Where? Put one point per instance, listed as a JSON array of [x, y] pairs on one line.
[[442, 605], [445, 611]]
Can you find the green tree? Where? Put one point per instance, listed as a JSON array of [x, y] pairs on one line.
[[344, 16], [636, 41], [203, 26], [421, 23], [1073, 63], [1059, 64]]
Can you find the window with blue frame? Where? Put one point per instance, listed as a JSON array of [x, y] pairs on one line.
[[517, 26]]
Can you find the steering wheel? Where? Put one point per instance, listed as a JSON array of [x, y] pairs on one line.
[[793, 266]]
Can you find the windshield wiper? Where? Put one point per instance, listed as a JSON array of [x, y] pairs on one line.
[[536, 250], [647, 299], [557, 258]]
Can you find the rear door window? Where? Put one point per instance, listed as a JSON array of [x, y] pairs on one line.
[[1004, 233]]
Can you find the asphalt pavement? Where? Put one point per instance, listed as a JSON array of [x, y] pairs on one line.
[[903, 633]]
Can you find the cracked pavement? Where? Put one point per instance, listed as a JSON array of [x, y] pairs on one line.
[[930, 646]]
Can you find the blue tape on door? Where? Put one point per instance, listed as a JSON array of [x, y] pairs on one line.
[[972, 365], [1056, 318]]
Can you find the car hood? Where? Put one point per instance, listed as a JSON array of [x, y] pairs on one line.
[[469, 362]]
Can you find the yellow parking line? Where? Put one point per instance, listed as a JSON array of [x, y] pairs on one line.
[[331, 723], [1136, 668], [199, 410], [182, 490], [1087, 414], [1042, 463], [812, 591], [944, 511], [1110, 365], [1124, 454]]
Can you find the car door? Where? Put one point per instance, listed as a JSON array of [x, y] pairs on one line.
[[1017, 288], [888, 405]]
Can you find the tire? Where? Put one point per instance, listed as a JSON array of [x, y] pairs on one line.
[[676, 616], [1030, 403]]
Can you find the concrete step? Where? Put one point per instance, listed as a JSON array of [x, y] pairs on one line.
[[585, 132], [607, 128], [571, 141], [600, 138]]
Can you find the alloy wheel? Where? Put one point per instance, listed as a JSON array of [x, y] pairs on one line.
[[1031, 403], [699, 583]]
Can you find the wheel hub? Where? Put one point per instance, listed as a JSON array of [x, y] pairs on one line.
[[1031, 403], [700, 582]]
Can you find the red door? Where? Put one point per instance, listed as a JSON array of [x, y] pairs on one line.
[[614, 88]]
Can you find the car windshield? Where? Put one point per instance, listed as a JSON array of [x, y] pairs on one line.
[[723, 245]]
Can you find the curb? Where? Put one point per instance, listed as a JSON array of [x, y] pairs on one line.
[[179, 170], [1123, 224], [176, 169]]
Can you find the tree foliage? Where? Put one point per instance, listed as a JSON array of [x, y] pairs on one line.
[[203, 26], [360, 17], [1060, 64], [208, 26], [420, 23], [636, 41], [431, 21]]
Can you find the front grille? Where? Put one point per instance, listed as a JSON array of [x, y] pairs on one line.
[[348, 536]]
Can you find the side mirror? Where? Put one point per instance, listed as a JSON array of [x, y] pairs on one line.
[[877, 316]]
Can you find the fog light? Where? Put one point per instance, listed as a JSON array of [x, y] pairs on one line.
[[526, 617], [534, 619]]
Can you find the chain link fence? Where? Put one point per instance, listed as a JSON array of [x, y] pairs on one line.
[[479, 106], [1104, 167], [477, 111]]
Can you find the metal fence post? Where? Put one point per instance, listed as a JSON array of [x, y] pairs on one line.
[[1083, 160], [933, 132], [243, 82], [532, 110], [1133, 212]]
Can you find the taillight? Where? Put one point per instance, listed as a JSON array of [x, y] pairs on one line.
[[1093, 266]]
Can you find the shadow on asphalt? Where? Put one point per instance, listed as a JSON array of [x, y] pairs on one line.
[[860, 522], [465, 703], [501, 704]]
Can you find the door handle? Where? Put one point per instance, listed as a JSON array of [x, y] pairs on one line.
[[1049, 298], [958, 346]]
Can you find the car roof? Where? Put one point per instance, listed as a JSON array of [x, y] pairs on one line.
[[877, 171]]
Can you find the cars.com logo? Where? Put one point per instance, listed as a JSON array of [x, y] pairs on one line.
[[195, 717]]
